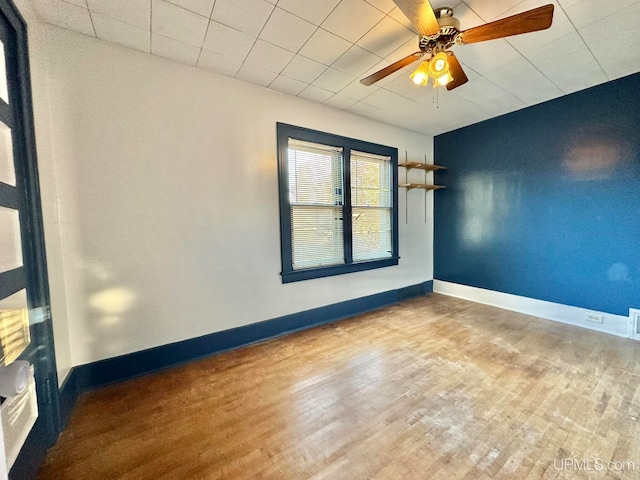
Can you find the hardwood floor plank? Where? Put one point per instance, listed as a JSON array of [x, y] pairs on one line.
[[431, 388]]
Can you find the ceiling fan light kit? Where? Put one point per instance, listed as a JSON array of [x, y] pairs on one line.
[[439, 30], [437, 69]]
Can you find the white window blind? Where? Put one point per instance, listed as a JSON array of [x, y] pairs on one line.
[[372, 205], [316, 198]]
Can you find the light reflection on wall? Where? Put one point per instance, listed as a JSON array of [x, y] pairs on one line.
[[112, 303], [488, 200], [595, 152]]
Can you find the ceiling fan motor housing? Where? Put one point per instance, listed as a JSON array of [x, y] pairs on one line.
[[445, 38]]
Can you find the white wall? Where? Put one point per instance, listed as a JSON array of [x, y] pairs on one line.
[[161, 199]]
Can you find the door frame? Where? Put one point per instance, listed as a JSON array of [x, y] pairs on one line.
[[42, 354]]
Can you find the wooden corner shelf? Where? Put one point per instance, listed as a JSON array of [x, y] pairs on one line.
[[423, 186]]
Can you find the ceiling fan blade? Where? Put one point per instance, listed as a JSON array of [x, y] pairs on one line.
[[529, 21], [394, 67], [459, 77], [421, 15]]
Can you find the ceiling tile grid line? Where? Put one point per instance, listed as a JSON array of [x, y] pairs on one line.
[[584, 42], [319, 50]]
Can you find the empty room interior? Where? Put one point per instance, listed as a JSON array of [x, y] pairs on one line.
[[320, 239]]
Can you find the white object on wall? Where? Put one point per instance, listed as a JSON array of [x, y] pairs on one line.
[[18, 414]]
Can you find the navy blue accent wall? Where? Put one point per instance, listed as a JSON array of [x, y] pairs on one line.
[[545, 202]]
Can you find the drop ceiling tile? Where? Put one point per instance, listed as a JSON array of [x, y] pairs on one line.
[[618, 54], [569, 64], [486, 56], [174, 50], [256, 75], [201, 7], [568, 3], [112, 30], [478, 89], [136, 13], [383, 5], [386, 37], [218, 63], [363, 109], [248, 16], [333, 80], [533, 41], [468, 18], [79, 3], [358, 91], [493, 10], [324, 47], [501, 105], [177, 23], [356, 61], [315, 94], [65, 15], [227, 41], [352, 19], [381, 98], [624, 63], [586, 12], [450, 103], [286, 30], [304, 69], [524, 81], [571, 76], [311, 10], [408, 48], [287, 85], [268, 57], [340, 102], [402, 85]]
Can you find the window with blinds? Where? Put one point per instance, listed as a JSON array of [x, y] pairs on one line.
[[371, 205], [338, 204], [315, 194]]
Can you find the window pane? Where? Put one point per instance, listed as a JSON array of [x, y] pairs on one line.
[[370, 180], [371, 233], [317, 237], [4, 92], [14, 326], [7, 169], [315, 194], [10, 243], [315, 174], [371, 184]]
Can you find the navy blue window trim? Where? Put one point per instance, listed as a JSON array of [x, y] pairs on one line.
[[286, 132]]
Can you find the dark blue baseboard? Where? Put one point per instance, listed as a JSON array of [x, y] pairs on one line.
[[117, 369]]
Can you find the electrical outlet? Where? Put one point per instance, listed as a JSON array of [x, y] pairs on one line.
[[594, 317]]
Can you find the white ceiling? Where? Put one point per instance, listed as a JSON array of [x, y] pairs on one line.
[[319, 49]]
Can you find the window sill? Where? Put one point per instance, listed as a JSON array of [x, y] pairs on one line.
[[310, 273]]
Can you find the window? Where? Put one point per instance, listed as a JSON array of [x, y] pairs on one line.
[[338, 204]]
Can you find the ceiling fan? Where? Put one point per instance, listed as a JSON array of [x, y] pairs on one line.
[[439, 30]]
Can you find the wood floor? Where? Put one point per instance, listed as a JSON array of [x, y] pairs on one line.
[[432, 388]]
